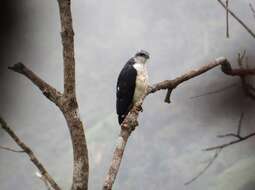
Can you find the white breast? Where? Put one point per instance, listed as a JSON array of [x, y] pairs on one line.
[[142, 82]]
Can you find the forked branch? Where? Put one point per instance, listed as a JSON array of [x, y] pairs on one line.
[[30, 153], [237, 18], [66, 101], [130, 122], [50, 92]]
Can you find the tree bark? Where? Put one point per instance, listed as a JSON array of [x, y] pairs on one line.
[[66, 101]]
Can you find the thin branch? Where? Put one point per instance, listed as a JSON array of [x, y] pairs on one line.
[[172, 84], [230, 143], [11, 150], [247, 88], [237, 135], [229, 135], [216, 91], [30, 153], [227, 20], [221, 147], [48, 91], [240, 59], [238, 19], [252, 9], [217, 152], [240, 124]]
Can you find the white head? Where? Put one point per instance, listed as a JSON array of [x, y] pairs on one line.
[[142, 56]]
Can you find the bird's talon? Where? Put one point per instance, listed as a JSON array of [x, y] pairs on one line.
[[139, 108]]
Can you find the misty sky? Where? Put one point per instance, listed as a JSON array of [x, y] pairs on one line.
[[165, 150]]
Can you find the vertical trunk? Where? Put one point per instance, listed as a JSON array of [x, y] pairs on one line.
[[80, 152]]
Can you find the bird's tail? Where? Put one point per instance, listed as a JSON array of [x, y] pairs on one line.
[[121, 118]]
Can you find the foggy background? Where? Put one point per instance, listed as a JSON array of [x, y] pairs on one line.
[[164, 152]]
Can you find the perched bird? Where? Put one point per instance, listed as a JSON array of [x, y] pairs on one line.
[[132, 83]]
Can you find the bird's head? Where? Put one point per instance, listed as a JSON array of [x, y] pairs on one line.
[[142, 56]]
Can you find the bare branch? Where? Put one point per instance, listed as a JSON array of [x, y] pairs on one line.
[[172, 84], [240, 59], [128, 125], [229, 135], [30, 153], [11, 150], [247, 88], [221, 147], [70, 106], [130, 122], [67, 35], [227, 20], [240, 124], [217, 152], [67, 101], [216, 91], [230, 143], [238, 136], [238, 19], [252, 9], [50, 92]]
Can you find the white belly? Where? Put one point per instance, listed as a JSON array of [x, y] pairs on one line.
[[141, 82]]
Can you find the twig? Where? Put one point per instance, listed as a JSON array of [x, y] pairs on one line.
[[237, 135], [240, 59], [240, 124], [238, 19], [216, 91], [30, 153], [172, 84], [221, 147], [252, 9], [227, 23], [217, 152], [229, 135], [247, 88], [230, 143], [11, 150]]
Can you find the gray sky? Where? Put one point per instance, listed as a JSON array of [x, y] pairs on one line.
[[165, 150]]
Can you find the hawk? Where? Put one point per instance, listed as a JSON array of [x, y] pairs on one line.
[[132, 83]]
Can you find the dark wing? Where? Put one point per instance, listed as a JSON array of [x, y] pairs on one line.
[[125, 89]]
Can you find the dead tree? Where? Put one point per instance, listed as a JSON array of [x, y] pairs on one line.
[[66, 101]]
